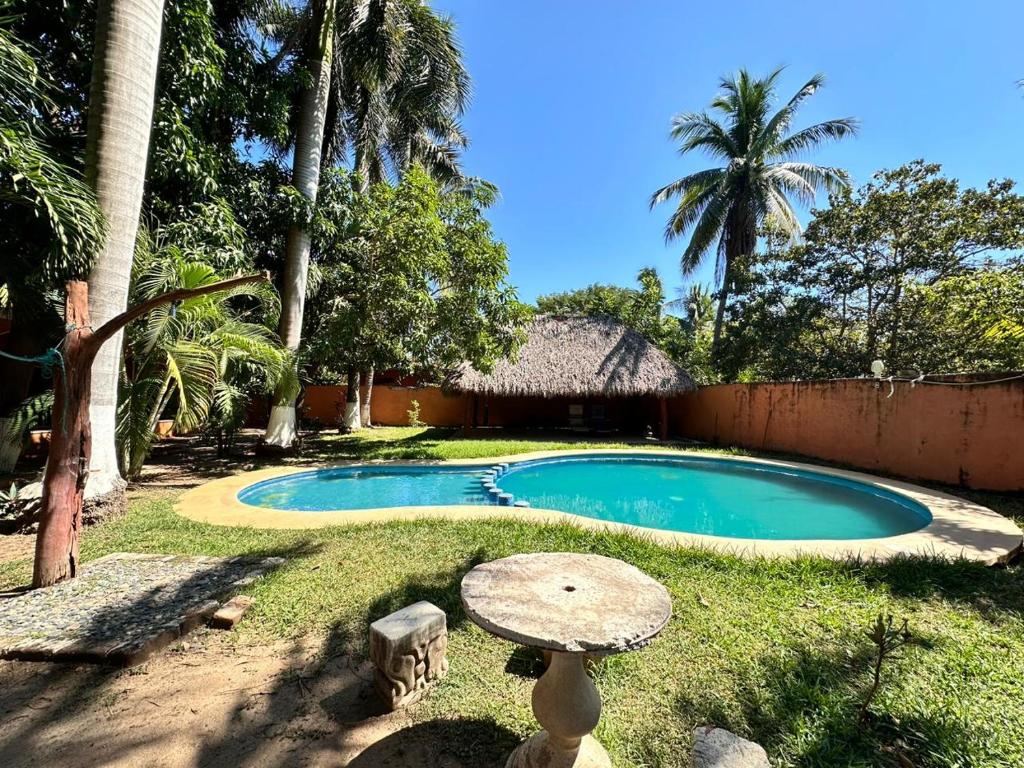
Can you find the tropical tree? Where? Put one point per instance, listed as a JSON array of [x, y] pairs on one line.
[[204, 354], [396, 89], [911, 269], [216, 91], [413, 279], [50, 227], [724, 207], [309, 139], [121, 97], [404, 86], [638, 308]]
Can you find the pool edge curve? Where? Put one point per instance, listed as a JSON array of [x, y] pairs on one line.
[[959, 528]]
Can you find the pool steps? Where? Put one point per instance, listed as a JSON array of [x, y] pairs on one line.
[[488, 482]]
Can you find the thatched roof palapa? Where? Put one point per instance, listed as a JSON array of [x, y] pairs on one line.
[[578, 356]]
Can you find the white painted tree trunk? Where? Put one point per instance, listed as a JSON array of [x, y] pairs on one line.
[[352, 420], [117, 145], [309, 137]]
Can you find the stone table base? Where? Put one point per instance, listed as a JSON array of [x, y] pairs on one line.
[[537, 751], [567, 704]]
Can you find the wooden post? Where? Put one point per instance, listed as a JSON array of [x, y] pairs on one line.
[[663, 403], [67, 463]]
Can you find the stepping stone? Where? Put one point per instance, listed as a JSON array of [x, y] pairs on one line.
[[408, 651], [231, 612], [718, 748]]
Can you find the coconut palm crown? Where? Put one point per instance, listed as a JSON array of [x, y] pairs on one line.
[[724, 207]]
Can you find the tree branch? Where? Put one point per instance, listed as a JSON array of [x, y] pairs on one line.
[[118, 322]]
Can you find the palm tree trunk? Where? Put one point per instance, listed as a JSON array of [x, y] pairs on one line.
[[281, 428], [366, 416], [740, 242], [350, 421], [723, 297], [117, 144]]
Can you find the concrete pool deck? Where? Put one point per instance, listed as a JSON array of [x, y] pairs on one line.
[[959, 528]]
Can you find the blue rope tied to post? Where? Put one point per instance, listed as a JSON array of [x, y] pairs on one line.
[[49, 361]]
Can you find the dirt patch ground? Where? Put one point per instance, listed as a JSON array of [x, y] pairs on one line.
[[208, 702]]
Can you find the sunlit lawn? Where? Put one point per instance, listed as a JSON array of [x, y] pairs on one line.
[[773, 650]]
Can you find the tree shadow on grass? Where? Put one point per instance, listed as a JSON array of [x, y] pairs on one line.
[[326, 706], [466, 742], [995, 593], [803, 706], [60, 692], [441, 588]]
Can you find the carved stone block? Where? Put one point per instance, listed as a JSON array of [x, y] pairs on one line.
[[408, 650]]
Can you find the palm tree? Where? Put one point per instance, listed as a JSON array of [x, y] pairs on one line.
[[121, 98], [726, 206], [403, 87], [309, 139], [201, 354], [395, 87], [400, 87]]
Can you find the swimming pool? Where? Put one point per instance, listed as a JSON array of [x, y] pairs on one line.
[[687, 494]]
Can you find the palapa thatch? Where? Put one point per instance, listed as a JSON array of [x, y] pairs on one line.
[[577, 357]]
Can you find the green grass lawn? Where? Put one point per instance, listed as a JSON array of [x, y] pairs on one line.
[[773, 650]]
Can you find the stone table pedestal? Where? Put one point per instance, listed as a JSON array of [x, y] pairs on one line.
[[573, 606]]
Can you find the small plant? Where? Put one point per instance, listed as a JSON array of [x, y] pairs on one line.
[[888, 640], [12, 503], [414, 414]]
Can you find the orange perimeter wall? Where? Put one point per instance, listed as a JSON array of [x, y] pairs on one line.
[[389, 405], [971, 436]]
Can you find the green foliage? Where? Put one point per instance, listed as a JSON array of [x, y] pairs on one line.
[[32, 413], [895, 271], [201, 359], [968, 322], [412, 279], [593, 301], [887, 639], [414, 414], [50, 223]]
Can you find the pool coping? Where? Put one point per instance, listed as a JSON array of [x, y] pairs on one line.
[[959, 528]]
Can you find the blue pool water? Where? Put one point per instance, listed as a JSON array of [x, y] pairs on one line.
[[688, 494], [367, 488]]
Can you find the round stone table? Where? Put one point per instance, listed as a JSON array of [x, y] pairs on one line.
[[573, 606]]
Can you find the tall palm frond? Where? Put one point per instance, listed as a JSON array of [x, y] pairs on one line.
[[722, 208]]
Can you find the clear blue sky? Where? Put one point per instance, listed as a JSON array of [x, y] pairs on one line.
[[572, 102]]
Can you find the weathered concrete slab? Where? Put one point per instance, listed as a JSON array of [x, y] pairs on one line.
[[122, 608]]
